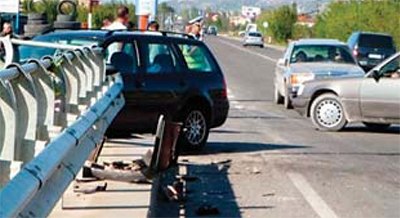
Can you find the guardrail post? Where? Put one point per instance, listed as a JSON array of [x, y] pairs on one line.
[[46, 98], [27, 114], [70, 76], [8, 121], [8, 169]]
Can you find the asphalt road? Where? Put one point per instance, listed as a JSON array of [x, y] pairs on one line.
[[270, 162]]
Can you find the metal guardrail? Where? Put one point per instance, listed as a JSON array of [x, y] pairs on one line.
[[53, 114]]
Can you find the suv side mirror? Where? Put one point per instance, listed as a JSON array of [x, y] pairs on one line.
[[376, 75], [282, 62]]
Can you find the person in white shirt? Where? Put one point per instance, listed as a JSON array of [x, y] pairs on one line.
[[121, 21]]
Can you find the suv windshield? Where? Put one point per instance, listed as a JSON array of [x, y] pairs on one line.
[[376, 41], [321, 53]]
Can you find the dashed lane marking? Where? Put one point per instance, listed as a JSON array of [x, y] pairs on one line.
[[311, 196], [249, 51]]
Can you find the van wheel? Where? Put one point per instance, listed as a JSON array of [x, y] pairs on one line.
[[195, 130], [327, 113]]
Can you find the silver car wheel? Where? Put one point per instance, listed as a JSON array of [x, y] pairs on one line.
[[195, 126], [329, 113]]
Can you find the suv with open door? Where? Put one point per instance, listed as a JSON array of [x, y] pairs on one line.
[[171, 75]]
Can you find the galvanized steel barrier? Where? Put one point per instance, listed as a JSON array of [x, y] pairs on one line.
[[53, 114]]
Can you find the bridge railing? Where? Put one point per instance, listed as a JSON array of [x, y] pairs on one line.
[[53, 114]]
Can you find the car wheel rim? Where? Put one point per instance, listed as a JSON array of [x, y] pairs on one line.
[[195, 127], [329, 113]]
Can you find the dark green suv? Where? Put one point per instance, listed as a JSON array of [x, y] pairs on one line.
[[172, 75]]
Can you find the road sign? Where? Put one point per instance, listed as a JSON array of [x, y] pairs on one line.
[[146, 7], [9, 6]]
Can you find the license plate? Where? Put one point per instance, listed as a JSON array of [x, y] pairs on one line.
[[375, 56]]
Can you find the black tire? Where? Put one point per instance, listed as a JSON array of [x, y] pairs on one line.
[[65, 18], [327, 113], [72, 3], [195, 130], [278, 98], [37, 16], [40, 28], [377, 126], [261, 46], [67, 25], [36, 22]]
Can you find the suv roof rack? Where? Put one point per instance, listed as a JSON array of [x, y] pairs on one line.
[[163, 33]]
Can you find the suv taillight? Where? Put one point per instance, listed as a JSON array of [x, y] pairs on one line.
[[355, 52], [224, 93]]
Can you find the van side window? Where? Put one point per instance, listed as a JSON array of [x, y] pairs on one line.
[[196, 58]]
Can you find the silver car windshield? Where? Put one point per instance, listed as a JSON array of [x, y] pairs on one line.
[[321, 53]]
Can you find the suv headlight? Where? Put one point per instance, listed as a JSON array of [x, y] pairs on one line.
[[299, 78]]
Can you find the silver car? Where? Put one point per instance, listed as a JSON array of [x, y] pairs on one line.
[[312, 59], [373, 99], [254, 39]]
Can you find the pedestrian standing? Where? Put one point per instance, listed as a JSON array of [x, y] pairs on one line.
[[121, 21], [153, 26], [196, 31], [7, 30]]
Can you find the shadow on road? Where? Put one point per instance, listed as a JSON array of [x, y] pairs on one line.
[[241, 147], [226, 131], [363, 129], [211, 190]]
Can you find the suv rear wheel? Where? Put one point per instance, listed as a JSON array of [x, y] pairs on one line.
[[195, 129]]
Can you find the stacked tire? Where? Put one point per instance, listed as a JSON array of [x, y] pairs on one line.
[[37, 24], [67, 20]]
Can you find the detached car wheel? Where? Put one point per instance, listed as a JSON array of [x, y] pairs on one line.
[[195, 130], [327, 113], [377, 125]]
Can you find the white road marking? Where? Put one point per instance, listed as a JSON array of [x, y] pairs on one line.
[[249, 51], [312, 197]]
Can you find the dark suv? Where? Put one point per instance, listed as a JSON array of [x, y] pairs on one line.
[[172, 75], [371, 48]]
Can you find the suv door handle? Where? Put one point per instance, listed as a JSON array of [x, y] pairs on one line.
[[140, 84], [182, 83]]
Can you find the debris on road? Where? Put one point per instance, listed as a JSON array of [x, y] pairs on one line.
[[187, 178], [207, 210], [91, 190]]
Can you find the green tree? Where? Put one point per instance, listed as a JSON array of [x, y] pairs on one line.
[[342, 18], [281, 22]]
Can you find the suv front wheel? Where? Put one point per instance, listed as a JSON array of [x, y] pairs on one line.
[[195, 130]]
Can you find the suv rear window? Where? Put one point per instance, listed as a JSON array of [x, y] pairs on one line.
[[196, 57], [376, 41], [255, 34]]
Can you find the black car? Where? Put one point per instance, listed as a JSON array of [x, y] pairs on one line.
[[371, 48], [171, 75]]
